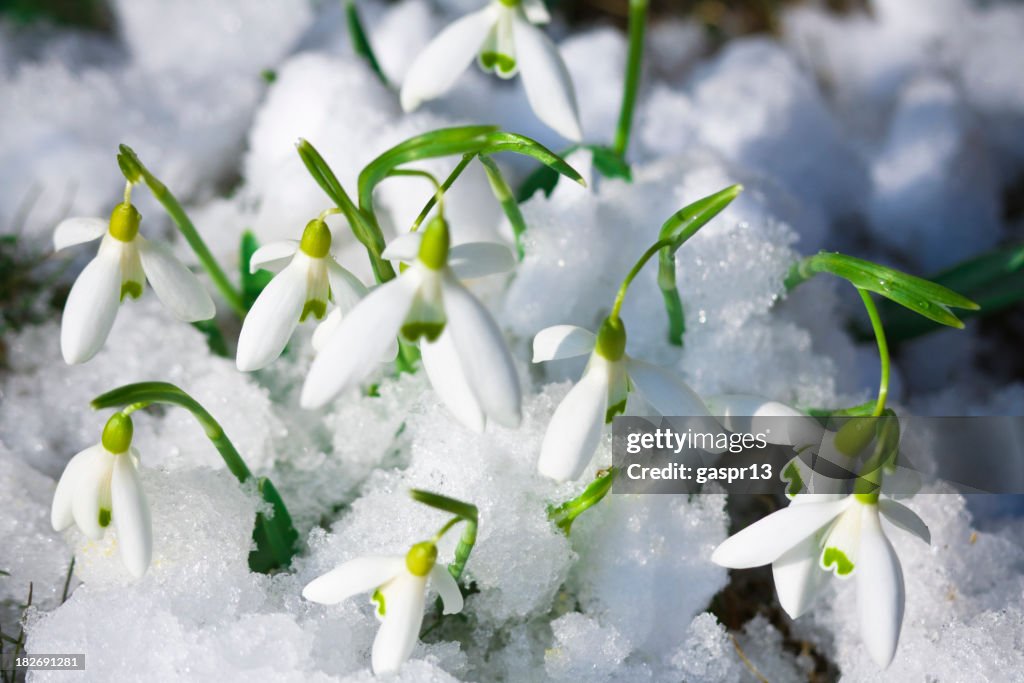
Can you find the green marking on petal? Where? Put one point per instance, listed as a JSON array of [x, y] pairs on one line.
[[104, 518], [131, 289], [613, 410], [430, 330], [378, 599], [836, 559], [496, 61], [795, 481], [314, 307]]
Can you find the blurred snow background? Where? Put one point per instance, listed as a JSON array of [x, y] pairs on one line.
[[895, 133]]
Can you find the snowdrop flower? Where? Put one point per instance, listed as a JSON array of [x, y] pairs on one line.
[[308, 277], [610, 376], [398, 586], [463, 351], [839, 534], [123, 264], [101, 485], [505, 39]]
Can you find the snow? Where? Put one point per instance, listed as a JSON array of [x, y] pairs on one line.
[[893, 134]]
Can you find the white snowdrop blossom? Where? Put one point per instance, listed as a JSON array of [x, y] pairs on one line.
[[101, 485], [838, 534], [463, 351], [610, 376], [398, 586], [123, 264], [307, 277], [504, 38]]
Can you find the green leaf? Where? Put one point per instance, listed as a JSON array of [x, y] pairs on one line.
[[275, 536], [503, 193], [921, 296], [466, 511], [214, 337], [685, 222], [565, 514], [609, 164], [501, 141], [252, 283], [360, 41]]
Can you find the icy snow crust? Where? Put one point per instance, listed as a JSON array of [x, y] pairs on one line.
[[903, 123]]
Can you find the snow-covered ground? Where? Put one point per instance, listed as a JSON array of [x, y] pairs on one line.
[[892, 136]]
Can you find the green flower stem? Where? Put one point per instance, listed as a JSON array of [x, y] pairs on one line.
[[634, 61], [134, 170], [506, 197], [564, 515], [637, 267], [883, 350], [670, 294], [437, 198], [442, 188], [464, 512], [275, 536]]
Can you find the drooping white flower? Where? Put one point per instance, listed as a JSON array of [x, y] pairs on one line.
[[101, 485], [838, 534], [307, 277], [398, 586], [504, 38], [611, 375], [123, 264], [463, 351]]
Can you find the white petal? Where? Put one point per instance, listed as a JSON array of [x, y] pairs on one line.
[[91, 306], [535, 11], [441, 361], [798, 578], [479, 259], [78, 230], [90, 490], [768, 539], [61, 516], [483, 355], [177, 287], [326, 329], [575, 429], [547, 82], [664, 390], [446, 586], [741, 413], [356, 576], [880, 592], [440, 64], [346, 289], [131, 516], [405, 247], [562, 341], [404, 598], [273, 256], [905, 518], [272, 318], [360, 341]]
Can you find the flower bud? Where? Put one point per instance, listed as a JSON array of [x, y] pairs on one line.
[[316, 239], [117, 434], [421, 558], [434, 247], [124, 222]]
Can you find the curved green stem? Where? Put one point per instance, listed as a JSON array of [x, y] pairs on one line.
[[634, 60], [441, 189], [506, 197], [437, 199], [464, 512], [883, 350], [565, 514], [275, 536], [637, 267], [130, 164]]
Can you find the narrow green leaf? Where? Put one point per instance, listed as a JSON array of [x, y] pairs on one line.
[[458, 508], [565, 514], [275, 536], [609, 164], [252, 283], [503, 193], [501, 141], [685, 222], [360, 41]]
